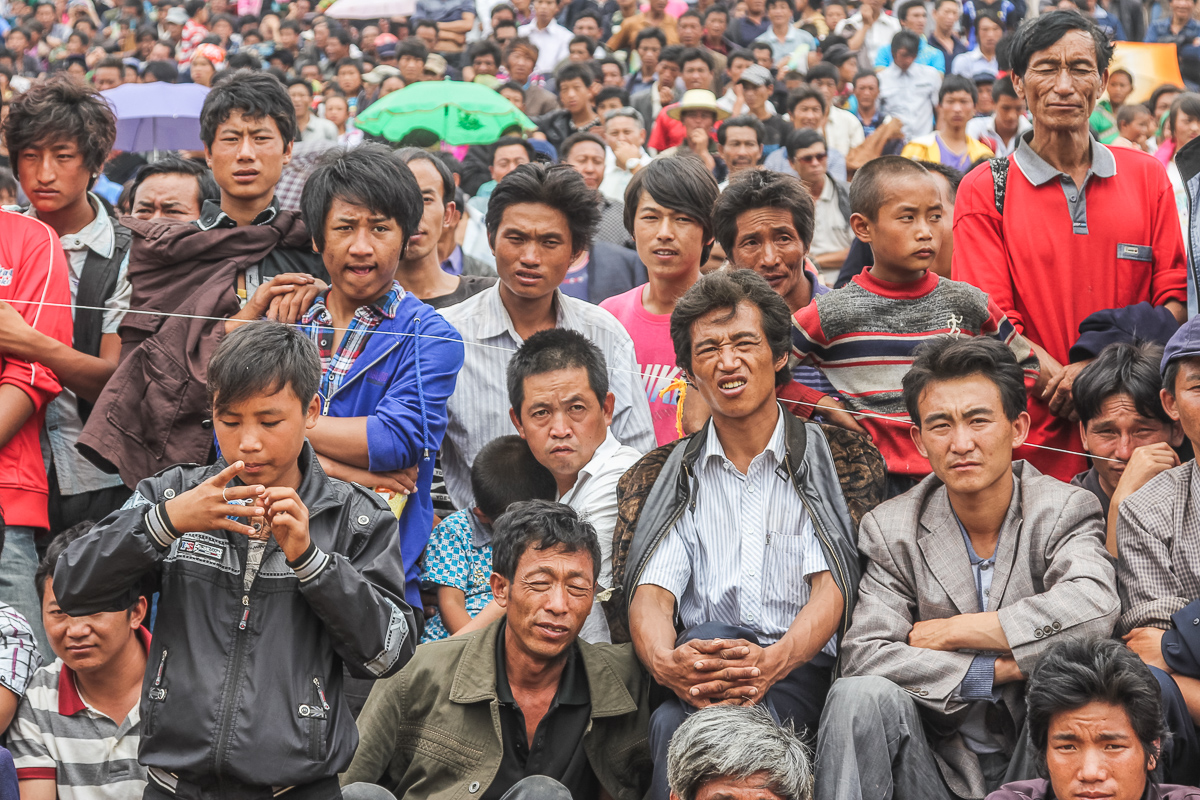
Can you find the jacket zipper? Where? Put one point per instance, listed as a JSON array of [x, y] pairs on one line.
[[360, 373], [658, 537], [239, 654], [158, 693], [827, 542]]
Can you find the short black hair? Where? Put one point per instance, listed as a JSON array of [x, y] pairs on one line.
[[301, 82], [1159, 91], [58, 108], [509, 141], [717, 8], [823, 70], [348, 62], [368, 176], [610, 92], [550, 351], [957, 83], [412, 47], [206, 187], [1188, 103], [952, 176], [242, 61], [584, 40], [798, 96], [290, 24], [802, 138], [540, 524], [588, 12], [577, 138], [650, 33], [681, 183], [424, 23], [255, 95], [513, 86], [485, 47], [575, 71], [611, 60], [870, 73], [8, 181], [167, 72], [1122, 368], [991, 15], [407, 155], [740, 52], [561, 187], [868, 190], [946, 358], [763, 188], [697, 54], [743, 121], [723, 291], [1075, 672], [1128, 112], [506, 472], [903, 9], [261, 358], [1045, 29], [672, 54], [1003, 87], [905, 40], [341, 35]]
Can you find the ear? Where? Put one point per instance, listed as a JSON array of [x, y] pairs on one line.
[[861, 227], [287, 153], [1176, 434], [516, 421], [208, 156], [137, 612], [314, 412], [781, 362], [315, 248], [500, 588], [1083, 435], [609, 403], [1169, 405], [915, 434], [1020, 429], [448, 215], [1019, 85]]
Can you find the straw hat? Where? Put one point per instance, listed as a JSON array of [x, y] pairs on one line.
[[698, 100]]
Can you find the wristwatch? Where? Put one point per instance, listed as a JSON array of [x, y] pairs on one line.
[[631, 163]]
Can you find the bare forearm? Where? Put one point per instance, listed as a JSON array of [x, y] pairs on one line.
[[981, 632], [489, 614], [16, 408], [343, 439], [652, 625], [816, 623], [457, 26], [452, 604]]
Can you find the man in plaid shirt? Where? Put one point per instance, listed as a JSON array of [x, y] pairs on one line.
[[389, 362]]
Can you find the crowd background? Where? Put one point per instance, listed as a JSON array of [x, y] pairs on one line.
[[801, 285]]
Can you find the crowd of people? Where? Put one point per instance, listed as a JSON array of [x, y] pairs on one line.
[[740, 424]]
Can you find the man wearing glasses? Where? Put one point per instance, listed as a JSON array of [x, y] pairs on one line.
[[809, 156]]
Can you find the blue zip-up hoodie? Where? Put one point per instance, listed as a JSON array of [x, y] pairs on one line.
[[400, 383]]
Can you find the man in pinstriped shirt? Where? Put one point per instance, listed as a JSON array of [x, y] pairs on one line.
[[743, 562]]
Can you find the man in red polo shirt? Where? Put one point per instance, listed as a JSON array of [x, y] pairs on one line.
[[1084, 228]]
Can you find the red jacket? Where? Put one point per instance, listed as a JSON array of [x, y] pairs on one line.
[[1048, 279], [33, 279]]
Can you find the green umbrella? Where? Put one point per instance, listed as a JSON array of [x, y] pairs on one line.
[[457, 112]]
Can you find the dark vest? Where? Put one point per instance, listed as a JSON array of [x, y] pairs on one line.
[[97, 283]]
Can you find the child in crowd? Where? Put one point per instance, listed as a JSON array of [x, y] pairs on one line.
[[862, 337], [458, 560], [272, 577]]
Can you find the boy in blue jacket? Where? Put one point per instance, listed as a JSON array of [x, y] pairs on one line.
[[388, 361]]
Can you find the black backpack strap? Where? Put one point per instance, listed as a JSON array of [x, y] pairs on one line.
[[999, 167]]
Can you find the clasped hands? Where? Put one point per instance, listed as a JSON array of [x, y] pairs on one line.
[[705, 672]]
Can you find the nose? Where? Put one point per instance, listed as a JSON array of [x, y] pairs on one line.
[[961, 441], [556, 599], [79, 627], [249, 442], [1062, 82], [559, 426], [531, 254], [1092, 767], [728, 360], [666, 231], [245, 150], [360, 245], [924, 229], [1125, 447], [45, 171], [770, 254]]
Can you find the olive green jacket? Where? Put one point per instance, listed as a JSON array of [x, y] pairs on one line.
[[432, 731]]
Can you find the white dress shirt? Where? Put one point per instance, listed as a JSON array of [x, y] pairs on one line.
[[973, 62], [553, 44], [910, 96], [879, 35], [843, 131], [745, 551], [478, 409], [616, 177]]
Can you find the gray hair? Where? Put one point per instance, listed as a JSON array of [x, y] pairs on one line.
[[626, 111], [737, 742]]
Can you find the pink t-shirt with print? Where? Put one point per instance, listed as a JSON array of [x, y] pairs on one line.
[[651, 334]]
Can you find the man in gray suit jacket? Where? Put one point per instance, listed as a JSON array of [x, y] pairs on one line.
[[970, 576]]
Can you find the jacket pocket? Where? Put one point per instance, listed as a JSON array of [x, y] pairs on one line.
[[157, 694], [156, 384], [316, 714]]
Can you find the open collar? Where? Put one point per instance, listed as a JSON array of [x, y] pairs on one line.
[[1038, 171]]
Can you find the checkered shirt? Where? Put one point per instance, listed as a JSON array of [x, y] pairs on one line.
[[318, 324]]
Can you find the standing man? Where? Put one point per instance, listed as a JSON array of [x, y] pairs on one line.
[[1000, 130], [625, 133], [309, 127], [585, 152], [551, 39], [540, 219], [908, 90], [699, 113], [740, 144], [576, 83], [1119, 218], [988, 30], [751, 552], [970, 575], [913, 17], [950, 144], [868, 31]]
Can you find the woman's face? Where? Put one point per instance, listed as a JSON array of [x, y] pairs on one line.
[[1119, 87], [202, 71], [336, 110], [1187, 128], [1163, 104]]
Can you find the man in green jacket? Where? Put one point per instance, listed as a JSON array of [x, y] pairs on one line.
[[474, 716]]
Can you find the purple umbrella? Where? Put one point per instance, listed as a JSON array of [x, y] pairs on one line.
[[157, 116]]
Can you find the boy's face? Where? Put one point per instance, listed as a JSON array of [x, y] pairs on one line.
[[266, 433], [362, 251], [89, 643], [53, 175], [669, 242], [957, 109], [907, 232], [350, 80], [514, 97], [247, 156], [575, 95], [435, 214]]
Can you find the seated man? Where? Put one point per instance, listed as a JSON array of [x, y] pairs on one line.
[[969, 576], [1123, 426], [1095, 720], [491, 711], [243, 253], [67, 746], [560, 403], [540, 219], [758, 553], [1158, 571], [734, 751]]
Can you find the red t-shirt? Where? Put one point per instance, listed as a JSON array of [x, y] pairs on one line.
[[1047, 278], [651, 334]]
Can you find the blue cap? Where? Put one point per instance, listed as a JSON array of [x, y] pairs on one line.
[[1184, 344]]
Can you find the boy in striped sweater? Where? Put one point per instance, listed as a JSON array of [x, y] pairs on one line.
[[863, 335]]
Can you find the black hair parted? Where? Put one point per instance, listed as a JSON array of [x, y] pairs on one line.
[[542, 525], [57, 108], [550, 351], [261, 358], [506, 472], [1122, 368], [681, 183], [763, 188], [947, 358], [560, 187], [368, 175], [1044, 30], [256, 95]]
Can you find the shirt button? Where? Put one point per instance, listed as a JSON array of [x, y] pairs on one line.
[[168, 493], [1048, 630], [474, 787], [363, 519], [1037, 633], [984, 565], [1072, 198]]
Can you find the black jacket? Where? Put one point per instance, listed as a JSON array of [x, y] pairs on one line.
[[245, 687]]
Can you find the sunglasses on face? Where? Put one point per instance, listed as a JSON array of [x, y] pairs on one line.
[[814, 158]]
